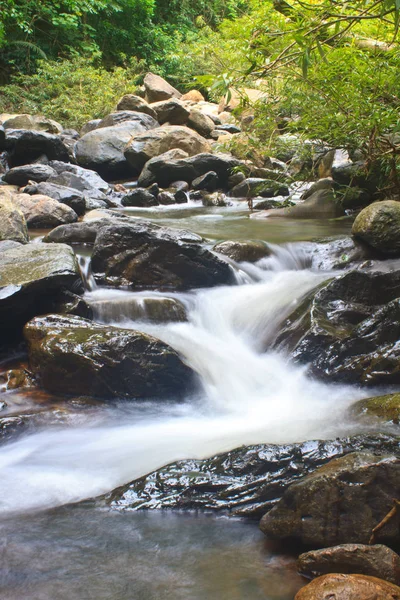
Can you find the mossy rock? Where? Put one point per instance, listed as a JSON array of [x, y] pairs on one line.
[[378, 225], [384, 407]]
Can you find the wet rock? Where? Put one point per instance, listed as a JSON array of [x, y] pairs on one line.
[[139, 197], [136, 256], [68, 303], [385, 407], [339, 254], [216, 199], [207, 182], [340, 502], [86, 179], [243, 251], [378, 225], [322, 204], [255, 186], [43, 212], [348, 587], [158, 89], [71, 355], [65, 195], [103, 150], [171, 111], [377, 561], [28, 146], [143, 120], [181, 197], [247, 481], [154, 310], [166, 198], [30, 278], [15, 379], [166, 169], [81, 183], [268, 204], [12, 222], [136, 103], [22, 175], [11, 427], [150, 144], [201, 123]]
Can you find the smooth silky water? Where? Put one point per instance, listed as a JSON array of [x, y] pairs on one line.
[[245, 394]]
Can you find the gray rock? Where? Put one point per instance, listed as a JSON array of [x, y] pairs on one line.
[[378, 225], [136, 103], [21, 175], [171, 111], [12, 222], [201, 123], [89, 126], [92, 179], [158, 89], [256, 186], [27, 146], [207, 182], [65, 195], [143, 120]]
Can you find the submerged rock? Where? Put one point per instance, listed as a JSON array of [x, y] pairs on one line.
[[348, 587], [140, 257], [71, 355], [376, 560], [341, 502], [378, 225], [247, 481]]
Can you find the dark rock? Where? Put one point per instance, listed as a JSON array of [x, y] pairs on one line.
[[136, 103], [27, 146], [267, 204], [154, 189], [201, 123], [340, 502], [92, 179], [136, 256], [353, 198], [181, 197], [247, 481], [235, 179], [22, 175], [71, 355], [243, 251], [229, 127], [348, 587], [66, 195], [166, 198], [354, 174], [255, 186], [154, 310], [139, 197], [377, 560], [30, 278], [207, 182], [68, 303], [171, 111], [378, 225], [158, 89], [2, 138]]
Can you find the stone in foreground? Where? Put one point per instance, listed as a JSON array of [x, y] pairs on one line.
[[379, 226], [71, 355], [339, 503], [348, 587], [376, 560]]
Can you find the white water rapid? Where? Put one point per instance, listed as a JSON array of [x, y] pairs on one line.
[[245, 395]]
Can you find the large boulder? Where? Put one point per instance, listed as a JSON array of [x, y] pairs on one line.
[[378, 225], [71, 355], [256, 186], [348, 587], [65, 195], [322, 204], [80, 183], [171, 111], [12, 221], [42, 211], [143, 120], [140, 257], [27, 146], [26, 121], [21, 175], [103, 149], [341, 502], [136, 103], [376, 560], [201, 123], [31, 277], [91, 178], [158, 89], [167, 168], [147, 145]]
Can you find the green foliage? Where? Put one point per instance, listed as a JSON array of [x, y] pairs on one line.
[[70, 91]]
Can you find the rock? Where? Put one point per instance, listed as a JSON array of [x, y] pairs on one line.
[[155, 310], [207, 182], [268, 204], [138, 257], [235, 97], [142, 120], [71, 355], [247, 481], [166, 198], [378, 225], [235, 179], [36, 122], [165, 169], [171, 111], [340, 502], [377, 561], [159, 163], [28, 146], [228, 128], [255, 186], [320, 205], [215, 199], [150, 144], [339, 253], [139, 197], [86, 180], [31, 276], [348, 587], [325, 183], [89, 126], [355, 174], [201, 123], [158, 89], [43, 212], [193, 96], [12, 222], [136, 103], [181, 197], [385, 407], [78, 233], [103, 150], [243, 251], [22, 175], [2, 138], [65, 195], [179, 186], [353, 198]]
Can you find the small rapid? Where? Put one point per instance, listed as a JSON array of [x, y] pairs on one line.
[[246, 393]]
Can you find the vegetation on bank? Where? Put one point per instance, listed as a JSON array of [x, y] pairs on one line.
[[329, 70]]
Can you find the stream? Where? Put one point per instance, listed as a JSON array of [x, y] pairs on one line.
[[245, 394]]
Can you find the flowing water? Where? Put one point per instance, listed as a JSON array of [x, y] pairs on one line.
[[245, 394]]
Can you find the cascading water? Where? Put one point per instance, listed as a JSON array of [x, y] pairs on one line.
[[245, 395]]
